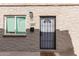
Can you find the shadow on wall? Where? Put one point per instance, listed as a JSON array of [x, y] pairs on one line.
[[64, 44]]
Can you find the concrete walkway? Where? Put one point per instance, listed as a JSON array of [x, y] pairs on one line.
[[19, 53]]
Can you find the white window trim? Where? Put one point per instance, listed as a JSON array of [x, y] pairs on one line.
[[5, 26], [5, 18]]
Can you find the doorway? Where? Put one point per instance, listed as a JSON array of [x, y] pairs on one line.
[[47, 32]]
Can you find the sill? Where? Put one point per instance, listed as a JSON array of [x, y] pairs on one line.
[[47, 50], [14, 35]]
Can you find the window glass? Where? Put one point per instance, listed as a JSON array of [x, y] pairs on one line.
[[10, 24], [20, 25]]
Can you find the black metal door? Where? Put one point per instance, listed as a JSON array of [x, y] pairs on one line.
[[47, 32]]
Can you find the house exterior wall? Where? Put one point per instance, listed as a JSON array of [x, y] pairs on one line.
[[67, 21]]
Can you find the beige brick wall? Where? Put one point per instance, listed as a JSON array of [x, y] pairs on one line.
[[67, 18]]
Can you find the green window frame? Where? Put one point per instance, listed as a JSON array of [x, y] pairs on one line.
[[15, 25]]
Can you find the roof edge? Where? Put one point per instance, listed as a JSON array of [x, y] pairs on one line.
[[38, 4]]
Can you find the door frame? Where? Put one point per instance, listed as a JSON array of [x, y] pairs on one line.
[[54, 33]]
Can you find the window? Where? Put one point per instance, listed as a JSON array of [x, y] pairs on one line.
[[15, 25]]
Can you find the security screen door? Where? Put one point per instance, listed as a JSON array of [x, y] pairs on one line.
[[47, 32]]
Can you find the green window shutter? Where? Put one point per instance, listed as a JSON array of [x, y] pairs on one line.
[[20, 25], [10, 24]]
